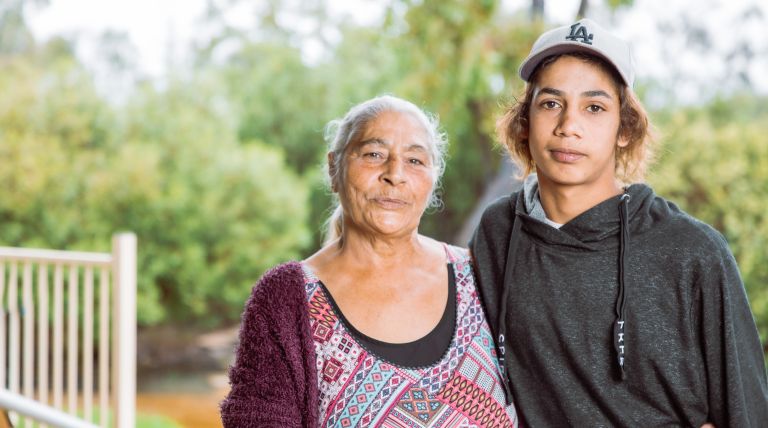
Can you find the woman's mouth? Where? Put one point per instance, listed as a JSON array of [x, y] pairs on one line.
[[390, 203]]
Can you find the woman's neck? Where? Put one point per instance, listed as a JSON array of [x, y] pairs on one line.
[[380, 252], [355, 249]]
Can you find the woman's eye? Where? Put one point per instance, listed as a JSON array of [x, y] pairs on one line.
[[415, 161], [594, 108], [373, 155]]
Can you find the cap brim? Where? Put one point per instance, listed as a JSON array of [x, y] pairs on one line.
[[529, 64]]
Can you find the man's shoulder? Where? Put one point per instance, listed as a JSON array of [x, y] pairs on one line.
[[500, 212], [692, 238], [682, 226], [503, 204], [492, 234]]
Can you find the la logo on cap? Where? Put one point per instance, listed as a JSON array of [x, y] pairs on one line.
[[578, 31]]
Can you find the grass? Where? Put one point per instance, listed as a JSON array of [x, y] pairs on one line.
[[142, 421]]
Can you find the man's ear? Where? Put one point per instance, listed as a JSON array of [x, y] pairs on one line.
[[622, 142], [332, 171], [525, 125]]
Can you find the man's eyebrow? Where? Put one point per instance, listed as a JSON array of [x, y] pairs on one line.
[[550, 91], [585, 94], [596, 93]]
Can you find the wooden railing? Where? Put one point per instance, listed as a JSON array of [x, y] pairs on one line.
[[94, 302]]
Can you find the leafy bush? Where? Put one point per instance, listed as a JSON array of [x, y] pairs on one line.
[[211, 215]]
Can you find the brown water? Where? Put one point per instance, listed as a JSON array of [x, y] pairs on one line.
[[188, 410], [184, 391], [190, 399]]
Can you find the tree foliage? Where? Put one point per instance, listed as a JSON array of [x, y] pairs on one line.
[[211, 214], [218, 167]]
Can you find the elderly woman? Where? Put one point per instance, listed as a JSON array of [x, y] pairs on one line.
[[382, 326]]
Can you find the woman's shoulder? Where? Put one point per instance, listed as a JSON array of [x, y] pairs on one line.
[[276, 303], [278, 283], [285, 272], [457, 254], [437, 248]]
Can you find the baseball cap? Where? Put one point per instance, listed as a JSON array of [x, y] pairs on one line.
[[583, 36]]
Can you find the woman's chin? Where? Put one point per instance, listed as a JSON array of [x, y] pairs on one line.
[[394, 226]]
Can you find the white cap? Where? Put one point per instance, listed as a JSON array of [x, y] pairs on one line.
[[583, 36]]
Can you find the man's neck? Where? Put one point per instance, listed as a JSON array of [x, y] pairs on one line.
[[564, 203]]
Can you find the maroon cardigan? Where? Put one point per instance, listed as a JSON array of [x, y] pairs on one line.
[[274, 379]]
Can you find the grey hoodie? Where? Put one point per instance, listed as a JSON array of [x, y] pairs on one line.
[[687, 350]]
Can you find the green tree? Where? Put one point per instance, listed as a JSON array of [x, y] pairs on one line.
[[234, 210], [211, 215]]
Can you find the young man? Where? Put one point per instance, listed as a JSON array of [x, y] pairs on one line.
[[610, 305]]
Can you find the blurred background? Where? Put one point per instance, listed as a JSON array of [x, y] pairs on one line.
[[198, 125]]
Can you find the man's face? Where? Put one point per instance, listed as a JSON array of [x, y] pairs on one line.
[[574, 124]]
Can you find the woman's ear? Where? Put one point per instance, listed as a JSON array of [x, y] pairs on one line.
[[332, 171], [622, 142]]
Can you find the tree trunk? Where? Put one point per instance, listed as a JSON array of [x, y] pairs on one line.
[[537, 10], [583, 7]]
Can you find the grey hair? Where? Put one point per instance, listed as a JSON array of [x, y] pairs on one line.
[[339, 133]]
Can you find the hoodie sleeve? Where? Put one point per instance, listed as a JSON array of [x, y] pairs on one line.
[[735, 366], [272, 374]]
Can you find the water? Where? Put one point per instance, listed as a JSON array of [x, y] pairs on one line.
[[190, 398]]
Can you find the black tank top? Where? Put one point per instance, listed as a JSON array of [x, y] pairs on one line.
[[422, 352]]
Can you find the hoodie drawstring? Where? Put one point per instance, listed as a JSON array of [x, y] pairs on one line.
[[619, 337], [502, 323]]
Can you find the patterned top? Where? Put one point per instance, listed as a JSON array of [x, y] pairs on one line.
[[358, 388]]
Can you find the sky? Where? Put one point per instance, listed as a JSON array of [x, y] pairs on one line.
[[152, 25], [155, 27], [162, 30]]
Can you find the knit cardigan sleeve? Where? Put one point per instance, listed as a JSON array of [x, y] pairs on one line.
[[273, 379]]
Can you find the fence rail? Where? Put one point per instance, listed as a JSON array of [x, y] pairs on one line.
[[94, 304], [40, 412]]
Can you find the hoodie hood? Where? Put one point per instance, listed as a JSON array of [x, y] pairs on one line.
[[531, 200], [593, 230]]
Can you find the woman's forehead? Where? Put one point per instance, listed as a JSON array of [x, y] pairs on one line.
[[391, 126]]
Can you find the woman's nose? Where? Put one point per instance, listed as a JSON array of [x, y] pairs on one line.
[[393, 171]]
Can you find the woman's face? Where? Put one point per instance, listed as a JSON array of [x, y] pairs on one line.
[[389, 176], [574, 124]]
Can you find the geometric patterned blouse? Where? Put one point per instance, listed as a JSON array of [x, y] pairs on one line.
[[360, 389]]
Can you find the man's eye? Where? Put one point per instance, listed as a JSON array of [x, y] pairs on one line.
[[373, 155], [549, 104]]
